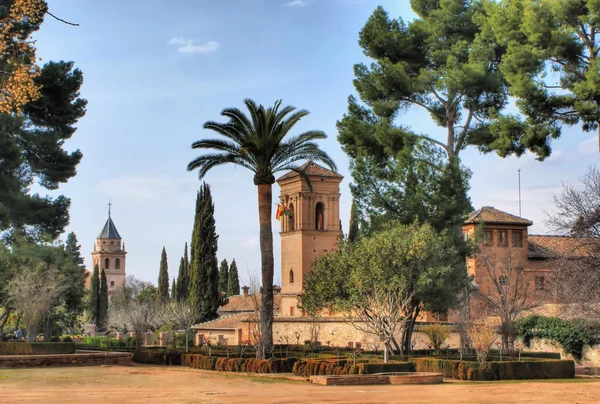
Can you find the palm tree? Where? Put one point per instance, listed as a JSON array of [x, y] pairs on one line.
[[257, 142]]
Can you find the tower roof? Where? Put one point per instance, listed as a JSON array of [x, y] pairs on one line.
[[491, 215], [109, 230], [311, 169]]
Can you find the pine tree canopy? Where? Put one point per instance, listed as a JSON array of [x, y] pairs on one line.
[[95, 313], [162, 293], [183, 278], [102, 301], [233, 283], [223, 276]]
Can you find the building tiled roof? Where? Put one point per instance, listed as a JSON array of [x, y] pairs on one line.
[[491, 215], [241, 304], [109, 230], [560, 246], [311, 169], [231, 322]]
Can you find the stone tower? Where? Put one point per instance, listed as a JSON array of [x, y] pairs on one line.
[[109, 253], [312, 228]]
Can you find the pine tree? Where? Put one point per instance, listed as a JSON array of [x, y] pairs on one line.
[[95, 297], [223, 276], [102, 301], [162, 294], [183, 279], [174, 291], [75, 274], [353, 228], [233, 284], [204, 272]]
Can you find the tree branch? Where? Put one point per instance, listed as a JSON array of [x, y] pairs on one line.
[[61, 20]]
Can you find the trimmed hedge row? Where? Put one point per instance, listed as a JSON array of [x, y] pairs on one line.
[[36, 348], [465, 370], [157, 357], [238, 364], [308, 368]]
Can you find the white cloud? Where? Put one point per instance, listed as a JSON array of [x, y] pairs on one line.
[[296, 3], [588, 146], [189, 46]]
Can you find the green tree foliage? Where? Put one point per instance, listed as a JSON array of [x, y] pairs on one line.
[[183, 278], [204, 272], [223, 276], [233, 282], [162, 295], [95, 314], [173, 291], [102, 301], [414, 259], [551, 60], [258, 142], [75, 275], [31, 149], [353, 228]]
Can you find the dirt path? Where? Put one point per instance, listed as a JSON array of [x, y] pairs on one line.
[[148, 384]]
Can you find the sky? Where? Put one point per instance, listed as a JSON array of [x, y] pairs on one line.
[[156, 70]]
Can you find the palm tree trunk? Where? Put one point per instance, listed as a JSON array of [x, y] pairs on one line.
[[267, 264]]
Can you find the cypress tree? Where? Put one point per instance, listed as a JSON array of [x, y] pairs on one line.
[[95, 297], [162, 293], [102, 302], [223, 276], [174, 291], [233, 284], [353, 228], [183, 279], [204, 272]]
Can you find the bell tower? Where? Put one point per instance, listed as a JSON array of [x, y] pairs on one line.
[[311, 228], [109, 254]]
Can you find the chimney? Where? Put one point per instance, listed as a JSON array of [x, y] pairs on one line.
[[245, 290]]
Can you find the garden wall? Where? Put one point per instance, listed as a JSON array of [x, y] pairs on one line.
[[590, 355], [87, 359], [526, 369], [36, 348]]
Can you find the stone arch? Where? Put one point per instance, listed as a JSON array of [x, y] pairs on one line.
[[320, 216], [106, 263], [112, 284], [291, 219], [291, 276], [118, 263]]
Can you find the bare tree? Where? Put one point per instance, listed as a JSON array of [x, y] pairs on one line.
[[385, 313], [481, 332], [576, 278], [509, 295], [182, 315], [33, 291], [253, 306]]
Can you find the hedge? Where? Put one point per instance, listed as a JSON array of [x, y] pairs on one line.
[[308, 368], [157, 357], [250, 365], [36, 348], [466, 370]]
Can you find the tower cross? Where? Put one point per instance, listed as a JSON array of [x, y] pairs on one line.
[[109, 206]]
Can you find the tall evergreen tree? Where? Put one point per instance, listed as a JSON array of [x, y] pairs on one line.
[[103, 300], [183, 278], [353, 228], [204, 272], [174, 291], [75, 274], [162, 294], [233, 283], [223, 276], [95, 315]]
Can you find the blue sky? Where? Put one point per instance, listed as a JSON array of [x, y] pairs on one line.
[[156, 70]]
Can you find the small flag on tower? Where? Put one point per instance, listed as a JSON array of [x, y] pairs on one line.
[[283, 210], [279, 212]]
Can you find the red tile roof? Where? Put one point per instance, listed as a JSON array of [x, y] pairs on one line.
[[310, 169], [561, 246], [230, 322], [491, 215], [241, 304]]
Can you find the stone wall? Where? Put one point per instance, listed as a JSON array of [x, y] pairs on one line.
[[590, 355], [81, 359]]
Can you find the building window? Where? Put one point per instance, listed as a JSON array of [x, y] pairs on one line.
[[106, 263], [292, 311], [517, 238], [320, 216], [488, 237], [503, 280], [467, 236], [502, 238], [112, 284], [539, 283], [291, 222], [118, 263], [291, 276]]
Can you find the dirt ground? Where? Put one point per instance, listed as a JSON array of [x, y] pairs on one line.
[[150, 384]]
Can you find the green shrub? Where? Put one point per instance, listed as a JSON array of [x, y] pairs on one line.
[[36, 348], [223, 364], [437, 334], [571, 335], [470, 370], [156, 357], [312, 367], [67, 339]]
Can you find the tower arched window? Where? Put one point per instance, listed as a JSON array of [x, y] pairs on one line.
[[291, 276], [106, 263], [112, 284], [118, 263], [291, 221], [320, 216]]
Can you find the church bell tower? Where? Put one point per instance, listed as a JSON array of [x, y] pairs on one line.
[[311, 228], [109, 254]]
